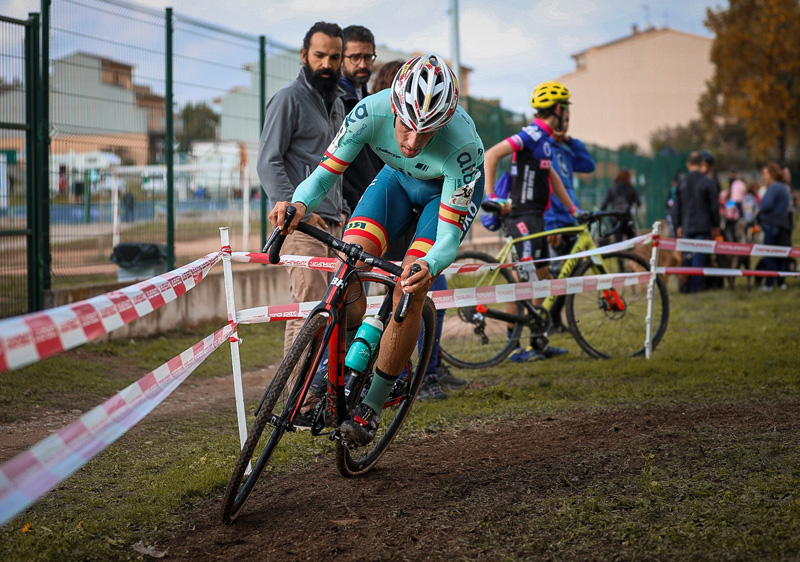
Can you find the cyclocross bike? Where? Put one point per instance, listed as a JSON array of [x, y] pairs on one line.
[[605, 323], [324, 329]]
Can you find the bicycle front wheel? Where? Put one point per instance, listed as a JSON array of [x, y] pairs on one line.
[[472, 339], [353, 462], [274, 415], [612, 322]]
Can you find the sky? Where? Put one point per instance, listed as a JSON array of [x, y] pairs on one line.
[[511, 45]]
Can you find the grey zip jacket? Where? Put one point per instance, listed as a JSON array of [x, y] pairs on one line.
[[297, 130]]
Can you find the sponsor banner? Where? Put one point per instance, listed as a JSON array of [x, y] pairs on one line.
[[32, 337], [41, 468]]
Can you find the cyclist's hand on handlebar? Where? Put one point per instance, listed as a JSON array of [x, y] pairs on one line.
[[277, 215], [421, 281]]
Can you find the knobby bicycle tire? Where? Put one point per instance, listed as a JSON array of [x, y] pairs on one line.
[[362, 459], [471, 340], [603, 330], [308, 343]]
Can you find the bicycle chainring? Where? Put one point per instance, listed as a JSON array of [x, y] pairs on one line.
[[541, 324]]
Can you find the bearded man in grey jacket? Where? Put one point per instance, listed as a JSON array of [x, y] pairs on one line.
[[301, 121]]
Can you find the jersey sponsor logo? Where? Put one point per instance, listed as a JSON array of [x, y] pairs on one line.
[[547, 149], [333, 164], [467, 165], [359, 112], [387, 152], [561, 162], [534, 132], [335, 142], [544, 164], [421, 166], [472, 210]]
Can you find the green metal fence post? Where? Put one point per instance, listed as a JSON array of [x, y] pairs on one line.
[[31, 83], [43, 115], [169, 143], [262, 99]]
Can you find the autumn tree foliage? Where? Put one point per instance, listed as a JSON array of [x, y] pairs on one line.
[[757, 80]]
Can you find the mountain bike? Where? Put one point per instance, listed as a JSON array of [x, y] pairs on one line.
[[609, 322], [324, 329]]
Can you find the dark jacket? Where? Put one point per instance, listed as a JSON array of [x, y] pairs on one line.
[[775, 206], [297, 130], [366, 165], [621, 195], [697, 207]]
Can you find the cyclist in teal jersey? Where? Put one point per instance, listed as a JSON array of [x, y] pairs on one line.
[[434, 162]]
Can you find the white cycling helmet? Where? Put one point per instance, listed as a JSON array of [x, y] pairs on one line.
[[425, 93]]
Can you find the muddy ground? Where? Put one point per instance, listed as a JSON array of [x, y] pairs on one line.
[[456, 495]]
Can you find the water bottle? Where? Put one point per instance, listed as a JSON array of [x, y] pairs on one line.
[[367, 338]]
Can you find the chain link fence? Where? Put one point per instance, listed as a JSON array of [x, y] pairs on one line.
[[114, 147]]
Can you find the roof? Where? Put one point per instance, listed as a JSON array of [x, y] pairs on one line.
[[636, 34]]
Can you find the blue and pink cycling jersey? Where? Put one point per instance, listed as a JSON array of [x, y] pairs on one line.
[[444, 181]]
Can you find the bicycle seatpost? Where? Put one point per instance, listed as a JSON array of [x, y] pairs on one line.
[[276, 239], [405, 300]]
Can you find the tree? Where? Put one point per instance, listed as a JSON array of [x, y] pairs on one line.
[[199, 122], [757, 80]]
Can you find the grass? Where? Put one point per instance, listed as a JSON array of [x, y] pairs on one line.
[[729, 493]]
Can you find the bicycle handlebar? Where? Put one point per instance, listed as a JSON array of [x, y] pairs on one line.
[[355, 251], [405, 300]]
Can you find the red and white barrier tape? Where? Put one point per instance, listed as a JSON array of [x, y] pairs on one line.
[[38, 470], [453, 298], [724, 272], [331, 264], [32, 337], [728, 248]]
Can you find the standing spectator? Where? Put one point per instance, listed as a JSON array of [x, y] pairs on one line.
[[301, 120], [359, 56], [128, 206], [775, 217], [697, 215], [622, 196], [672, 203]]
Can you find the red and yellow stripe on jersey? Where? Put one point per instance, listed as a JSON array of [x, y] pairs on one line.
[[333, 164], [452, 216], [420, 247], [368, 228]]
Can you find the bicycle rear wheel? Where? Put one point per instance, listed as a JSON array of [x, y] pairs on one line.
[[353, 462], [472, 339], [274, 415], [612, 322]]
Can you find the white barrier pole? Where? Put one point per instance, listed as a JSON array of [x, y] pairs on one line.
[[648, 341], [115, 208], [235, 341], [246, 209]]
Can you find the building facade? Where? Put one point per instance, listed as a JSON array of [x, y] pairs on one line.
[[625, 90]]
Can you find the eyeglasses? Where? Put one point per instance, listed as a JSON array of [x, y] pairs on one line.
[[358, 57]]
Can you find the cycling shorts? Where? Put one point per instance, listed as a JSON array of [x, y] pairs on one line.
[[536, 248], [386, 210]]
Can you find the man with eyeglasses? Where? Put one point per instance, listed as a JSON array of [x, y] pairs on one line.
[[359, 56]]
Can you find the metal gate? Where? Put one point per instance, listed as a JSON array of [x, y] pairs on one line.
[[24, 251]]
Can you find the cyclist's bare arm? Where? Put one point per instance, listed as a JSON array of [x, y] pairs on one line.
[[491, 158]]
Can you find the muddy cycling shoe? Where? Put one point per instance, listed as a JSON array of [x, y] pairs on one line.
[[431, 389], [304, 420], [523, 355], [448, 380], [361, 428]]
